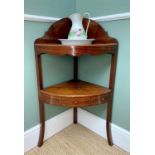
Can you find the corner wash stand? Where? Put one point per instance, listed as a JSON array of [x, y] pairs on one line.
[[75, 93]]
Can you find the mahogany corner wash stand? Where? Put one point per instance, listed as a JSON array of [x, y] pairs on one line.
[[75, 93]]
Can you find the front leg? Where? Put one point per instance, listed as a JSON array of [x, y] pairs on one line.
[[108, 123], [42, 123]]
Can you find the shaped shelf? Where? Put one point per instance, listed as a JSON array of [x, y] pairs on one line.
[[75, 94]]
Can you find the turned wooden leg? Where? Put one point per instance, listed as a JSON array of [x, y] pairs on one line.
[[42, 123], [75, 115], [108, 123]]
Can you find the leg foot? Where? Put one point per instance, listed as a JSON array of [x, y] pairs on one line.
[[75, 115], [42, 124], [108, 125]]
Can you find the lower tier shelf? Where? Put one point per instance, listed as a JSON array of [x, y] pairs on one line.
[[75, 94]]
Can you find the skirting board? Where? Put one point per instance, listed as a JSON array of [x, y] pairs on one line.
[[121, 137], [52, 126]]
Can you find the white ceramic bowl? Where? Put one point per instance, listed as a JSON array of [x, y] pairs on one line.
[[76, 41]]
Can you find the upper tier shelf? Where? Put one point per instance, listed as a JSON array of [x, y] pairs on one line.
[[94, 49], [50, 44]]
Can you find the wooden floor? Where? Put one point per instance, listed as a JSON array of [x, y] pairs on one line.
[[76, 140]]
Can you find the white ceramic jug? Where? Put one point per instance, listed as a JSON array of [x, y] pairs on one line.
[[77, 31]]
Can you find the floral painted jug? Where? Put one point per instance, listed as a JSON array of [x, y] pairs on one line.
[[77, 31]]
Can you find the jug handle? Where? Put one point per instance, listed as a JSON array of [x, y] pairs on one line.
[[87, 13]]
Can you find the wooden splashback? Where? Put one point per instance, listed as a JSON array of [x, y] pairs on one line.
[[60, 30]]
